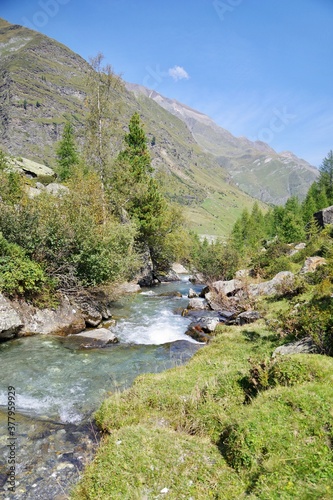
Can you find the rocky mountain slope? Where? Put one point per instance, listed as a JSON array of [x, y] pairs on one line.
[[42, 82], [253, 166]]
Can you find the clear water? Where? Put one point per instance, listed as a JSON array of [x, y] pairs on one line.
[[55, 379], [59, 385]]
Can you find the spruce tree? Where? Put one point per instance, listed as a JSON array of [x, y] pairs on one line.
[[67, 155], [326, 175]]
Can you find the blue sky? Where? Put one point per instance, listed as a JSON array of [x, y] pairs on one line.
[[260, 68]]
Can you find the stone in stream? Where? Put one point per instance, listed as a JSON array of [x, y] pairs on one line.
[[96, 338], [197, 304], [192, 294]]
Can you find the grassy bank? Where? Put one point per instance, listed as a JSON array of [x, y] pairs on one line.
[[187, 432]]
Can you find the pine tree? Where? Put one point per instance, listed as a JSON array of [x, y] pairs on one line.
[[326, 175], [67, 155]]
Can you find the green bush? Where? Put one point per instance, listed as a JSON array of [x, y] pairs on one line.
[[19, 276], [73, 236], [285, 371], [270, 262], [313, 319]]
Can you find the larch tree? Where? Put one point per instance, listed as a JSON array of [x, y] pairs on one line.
[[103, 105], [67, 154]]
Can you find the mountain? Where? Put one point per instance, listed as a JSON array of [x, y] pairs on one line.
[[42, 82], [253, 166]]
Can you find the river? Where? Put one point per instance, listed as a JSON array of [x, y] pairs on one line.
[[59, 385]]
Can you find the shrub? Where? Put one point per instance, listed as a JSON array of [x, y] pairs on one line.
[[19, 276], [267, 264], [313, 319]]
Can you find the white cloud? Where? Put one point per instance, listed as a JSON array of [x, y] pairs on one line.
[[178, 73]]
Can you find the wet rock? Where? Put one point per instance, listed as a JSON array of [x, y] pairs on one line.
[[10, 321], [312, 263], [247, 317], [166, 277], [305, 346], [192, 294], [97, 338], [197, 304], [197, 333], [174, 293]]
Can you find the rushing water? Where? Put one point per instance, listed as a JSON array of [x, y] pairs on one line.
[[58, 386]]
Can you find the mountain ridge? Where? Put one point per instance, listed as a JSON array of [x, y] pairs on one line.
[[239, 155], [42, 83]]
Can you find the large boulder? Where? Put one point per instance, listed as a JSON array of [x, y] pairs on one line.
[[146, 276], [96, 338], [62, 320], [227, 287], [247, 317], [270, 287], [302, 346], [324, 216], [197, 304], [166, 276], [311, 264], [179, 268], [129, 287], [192, 294], [10, 321]]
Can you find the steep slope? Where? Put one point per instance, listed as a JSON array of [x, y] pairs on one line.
[[43, 82], [254, 166]]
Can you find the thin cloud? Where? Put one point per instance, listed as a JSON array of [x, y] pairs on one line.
[[178, 73]]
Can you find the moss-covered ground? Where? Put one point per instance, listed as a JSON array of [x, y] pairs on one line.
[[191, 433]]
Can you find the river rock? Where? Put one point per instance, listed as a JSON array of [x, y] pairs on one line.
[[197, 333], [247, 317], [302, 346], [227, 287], [311, 264], [96, 338], [270, 287], [145, 276], [197, 304], [179, 268], [64, 320], [10, 321], [192, 294], [129, 287], [197, 279], [166, 276]]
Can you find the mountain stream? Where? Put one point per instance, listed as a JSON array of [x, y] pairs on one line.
[[59, 385]]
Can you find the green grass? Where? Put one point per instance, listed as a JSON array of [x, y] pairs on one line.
[[189, 430]]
